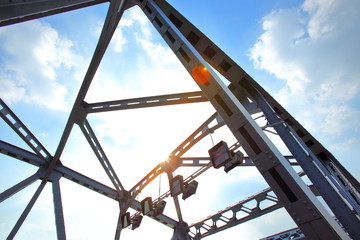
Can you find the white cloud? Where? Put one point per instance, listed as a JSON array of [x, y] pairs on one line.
[[315, 50], [344, 146], [33, 54]]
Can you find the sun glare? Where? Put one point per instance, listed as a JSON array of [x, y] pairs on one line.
[[201, 75]]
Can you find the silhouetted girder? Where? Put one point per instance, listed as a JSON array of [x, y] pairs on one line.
[[201, 229], [22, 131], [290, 189], [203, 161], [211, 53], [12, 12], [222, 221], [294, 234], [172, 162], [29, 157], [58, 209], [100, 154], [78, 113], [220, 61], [19, 186], [233, 72], [318, 174]]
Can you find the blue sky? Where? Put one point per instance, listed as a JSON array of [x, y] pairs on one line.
[[305, 53]]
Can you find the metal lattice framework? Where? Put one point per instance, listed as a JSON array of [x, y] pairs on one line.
[[236, 106]]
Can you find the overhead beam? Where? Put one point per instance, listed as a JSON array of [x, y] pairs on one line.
[[203, 161], [144, 102], [12, 12]]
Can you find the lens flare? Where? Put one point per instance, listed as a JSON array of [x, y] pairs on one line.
[[201, 75]]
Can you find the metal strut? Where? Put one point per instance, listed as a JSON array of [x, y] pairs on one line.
[[234, 105], [301, 204]]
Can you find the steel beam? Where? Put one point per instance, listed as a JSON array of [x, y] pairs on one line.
[[26, 211], [58, 210], [201, 132], [22, 131], [12, 12], [335, 196], [233, 72], [75, 177], [100, 154], [78, 113], [204, 161], [19, 186], [301, 204], [172, 162], [241, 212], [293, 234], [236, 214], [144, 102], [21, 154]]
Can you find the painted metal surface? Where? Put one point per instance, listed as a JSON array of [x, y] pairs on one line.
[[234, 105]]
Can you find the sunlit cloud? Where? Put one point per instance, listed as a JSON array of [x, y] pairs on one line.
[[314, 50], [31, 64]]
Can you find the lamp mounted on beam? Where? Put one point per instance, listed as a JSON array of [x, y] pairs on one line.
[[136, 221], [176, 185], [147, 205], [189, 189], [159, 208], [125, 220], [221, 155]]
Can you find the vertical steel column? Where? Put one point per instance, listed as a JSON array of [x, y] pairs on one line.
[[180, 232], [58, 210], [118, 227]]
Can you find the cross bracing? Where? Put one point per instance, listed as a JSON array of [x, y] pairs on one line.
[[236, 106]]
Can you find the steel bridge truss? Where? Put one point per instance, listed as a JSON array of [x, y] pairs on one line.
[[236, 106]]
